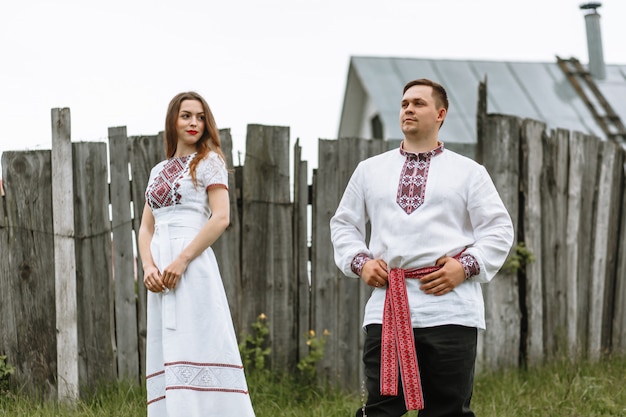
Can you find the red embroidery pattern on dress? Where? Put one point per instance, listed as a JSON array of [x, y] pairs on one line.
[[163, 192], [195, 376], [412, 186]]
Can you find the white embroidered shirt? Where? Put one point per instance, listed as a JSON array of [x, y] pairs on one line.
[[459, 208]]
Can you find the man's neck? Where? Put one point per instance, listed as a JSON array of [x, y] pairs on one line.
[[420, 145]]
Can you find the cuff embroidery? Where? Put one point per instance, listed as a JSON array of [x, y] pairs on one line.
[[470, 265], [357, 263]]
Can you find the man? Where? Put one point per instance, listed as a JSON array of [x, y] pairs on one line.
[[438, 230]]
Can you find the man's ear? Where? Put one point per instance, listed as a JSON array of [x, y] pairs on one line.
[[441, 115]]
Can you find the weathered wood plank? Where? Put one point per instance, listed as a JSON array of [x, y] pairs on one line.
[[574, 197], [227, 246], [65, 256], [301, 249], [8, 331], [338, 301], [123, 257], [500, 156], [586, 231], [532, 139], [267, 225], [348, 362], [28, 300], [481, 126], [352, 293], [619, 321], [609, 314], [144, 153], [326, 193], [94, 281], [604, 245], [554, 249], [3, 221]]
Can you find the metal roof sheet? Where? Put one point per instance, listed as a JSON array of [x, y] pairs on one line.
[[537, 90]]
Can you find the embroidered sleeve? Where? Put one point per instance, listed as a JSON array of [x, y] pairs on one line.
[[470, 265], [357, 263], [213, 172]]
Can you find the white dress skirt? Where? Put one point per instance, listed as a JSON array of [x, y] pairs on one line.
[[193, 365]]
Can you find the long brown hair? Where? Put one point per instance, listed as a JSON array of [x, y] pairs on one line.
[[210, 140]]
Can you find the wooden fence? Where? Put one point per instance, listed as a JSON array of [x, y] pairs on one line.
[[564, 191]]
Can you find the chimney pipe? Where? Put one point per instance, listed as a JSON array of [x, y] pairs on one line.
[[594, 40]]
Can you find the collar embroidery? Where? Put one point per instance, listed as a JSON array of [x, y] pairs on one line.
[[412, 185]]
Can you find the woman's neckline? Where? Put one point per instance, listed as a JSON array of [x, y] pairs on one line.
[[184, 156]]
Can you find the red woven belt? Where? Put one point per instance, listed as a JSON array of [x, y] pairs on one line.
[[398, 343]]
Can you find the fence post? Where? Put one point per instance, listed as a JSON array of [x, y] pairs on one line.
[[123, 257], [618, 342], [583, 174], [500, 343], [267, 283], [65, 261], [145, 152], [301, 248], [554, 190], [324, 278], [532, 140], [604, 260], [227, 247]]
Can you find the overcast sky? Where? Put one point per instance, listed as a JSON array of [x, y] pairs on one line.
[[278, 62]]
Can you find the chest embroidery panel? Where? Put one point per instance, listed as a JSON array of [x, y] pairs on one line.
[[163, 192], [413, 178]]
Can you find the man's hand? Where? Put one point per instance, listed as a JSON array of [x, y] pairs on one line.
[[444, 280], [374, 273]]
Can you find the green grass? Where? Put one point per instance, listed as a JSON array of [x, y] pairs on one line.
[[119, 400], [559, 389]]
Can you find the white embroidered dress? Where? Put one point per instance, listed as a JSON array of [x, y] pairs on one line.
[[193, 365]]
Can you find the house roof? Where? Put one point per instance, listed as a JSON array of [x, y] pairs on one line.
[[538, 90]]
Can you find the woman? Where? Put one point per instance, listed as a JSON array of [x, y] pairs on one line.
[[193, 365]]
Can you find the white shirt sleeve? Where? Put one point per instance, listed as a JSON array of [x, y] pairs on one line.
[[348, 225], [492, 227]]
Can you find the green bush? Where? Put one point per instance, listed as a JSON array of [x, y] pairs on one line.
[[253, 347], [307, 366], [6, 370]]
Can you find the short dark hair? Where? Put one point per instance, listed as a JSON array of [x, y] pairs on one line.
[[439, 93]]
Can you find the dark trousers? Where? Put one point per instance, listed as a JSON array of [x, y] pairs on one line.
[[446, 357]]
